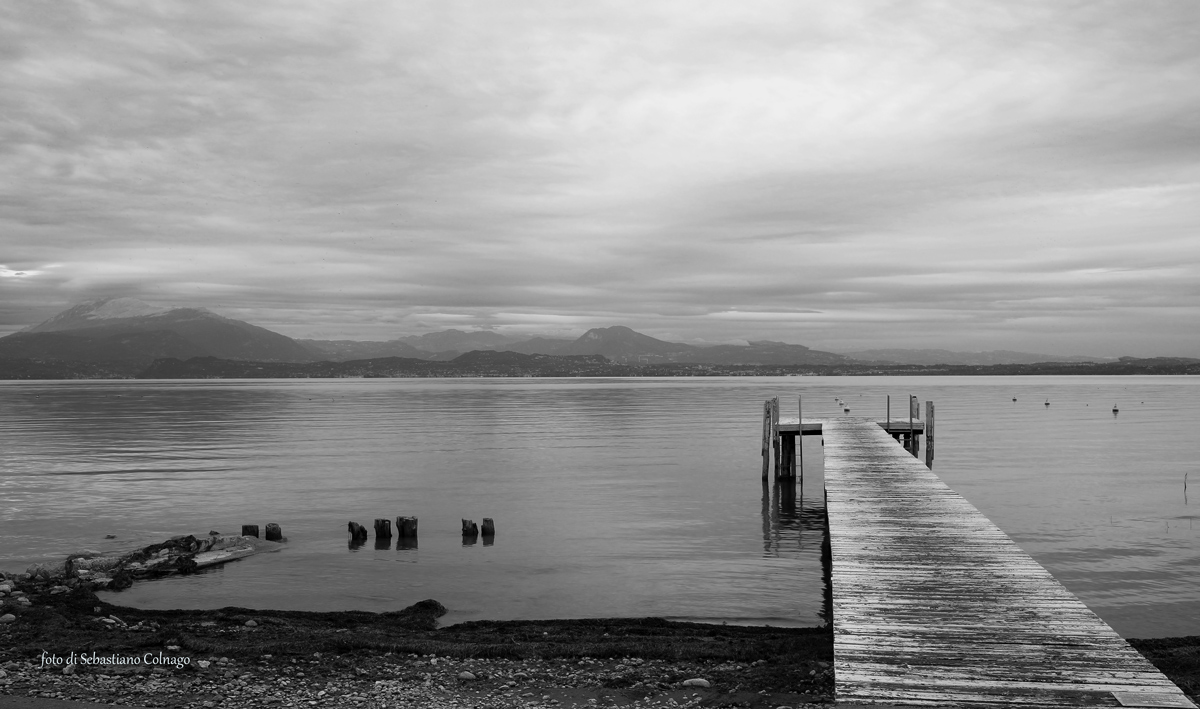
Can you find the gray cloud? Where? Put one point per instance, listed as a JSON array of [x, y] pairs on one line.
[[963, 175]]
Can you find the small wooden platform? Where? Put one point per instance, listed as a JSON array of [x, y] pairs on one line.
[[789, 425], [933, 605]]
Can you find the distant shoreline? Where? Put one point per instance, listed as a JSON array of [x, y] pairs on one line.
[[479, 364]]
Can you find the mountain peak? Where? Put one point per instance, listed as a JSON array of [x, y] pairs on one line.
[[95, 312], [127, 328]]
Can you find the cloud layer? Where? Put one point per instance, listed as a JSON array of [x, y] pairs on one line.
[[969, 175]]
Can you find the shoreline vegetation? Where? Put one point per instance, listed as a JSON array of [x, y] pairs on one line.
[[58, 640], [487, 363]]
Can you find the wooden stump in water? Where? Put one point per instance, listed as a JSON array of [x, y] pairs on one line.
[[406, 527], [489, 527], [249, 530], [469, 528], [357, 531], [383, 529], [274, 532]]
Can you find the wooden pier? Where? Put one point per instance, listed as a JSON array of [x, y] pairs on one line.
[[933, 605]]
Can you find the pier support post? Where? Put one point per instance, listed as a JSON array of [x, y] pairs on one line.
[[766, 438], [775, 431], [274, 532], [249, 530], [787, 455], [383, 529], [929, 434], [800, 435]]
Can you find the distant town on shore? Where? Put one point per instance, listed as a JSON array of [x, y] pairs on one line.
[[125, 338]]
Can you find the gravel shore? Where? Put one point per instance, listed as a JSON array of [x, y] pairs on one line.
[[66, 644], [70, 645]]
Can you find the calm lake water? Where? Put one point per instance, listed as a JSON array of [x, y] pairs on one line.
[[612, 497]]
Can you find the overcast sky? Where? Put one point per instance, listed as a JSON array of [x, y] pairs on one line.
[[966, 175]]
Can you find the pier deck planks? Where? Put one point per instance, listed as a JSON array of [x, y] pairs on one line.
[[934, 605]]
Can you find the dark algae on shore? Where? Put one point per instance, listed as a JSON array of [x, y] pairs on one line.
[[1177, 658], [235, 657]]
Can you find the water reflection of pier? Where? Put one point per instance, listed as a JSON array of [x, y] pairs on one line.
[[788, 518]]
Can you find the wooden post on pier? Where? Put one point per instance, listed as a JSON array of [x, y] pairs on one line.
[[929, 434], [766, 438], [912, 404], [775, 431], [800, 435]]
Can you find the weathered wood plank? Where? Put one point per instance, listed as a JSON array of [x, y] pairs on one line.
[[933, 605]]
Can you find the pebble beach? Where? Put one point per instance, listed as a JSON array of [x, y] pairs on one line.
[[61, 643]]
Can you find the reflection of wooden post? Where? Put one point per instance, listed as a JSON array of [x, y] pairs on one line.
[[800, 434], [766, 437], [929, 434]]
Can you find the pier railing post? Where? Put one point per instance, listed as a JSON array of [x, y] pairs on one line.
[[914, 411], [929, 434]]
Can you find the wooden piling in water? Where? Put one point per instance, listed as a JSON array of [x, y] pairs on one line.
[[775, 431], [470, 532], [406, 527], [249, 530], [274, 533], [356, 530], [929, 434], [383, 529], [800, 435], [766, 438], [489, 527], [787, 457]]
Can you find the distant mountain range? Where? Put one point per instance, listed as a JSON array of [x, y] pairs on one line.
[[126, 330], [900, 356]]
